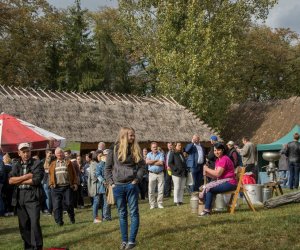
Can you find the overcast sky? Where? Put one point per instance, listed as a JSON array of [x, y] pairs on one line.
[[284, 15]]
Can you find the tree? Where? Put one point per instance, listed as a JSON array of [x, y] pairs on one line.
[[269, 64], [191, 48], [111, 60], [26, 28], [121, 73], [78, 69]]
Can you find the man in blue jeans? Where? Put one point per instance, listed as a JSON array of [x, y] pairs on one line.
[[293, 154], [195, 161]]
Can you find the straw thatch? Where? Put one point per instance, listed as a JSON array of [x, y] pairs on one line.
[[262, 122], [98, 116]]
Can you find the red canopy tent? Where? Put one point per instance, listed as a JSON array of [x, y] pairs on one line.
[[14, 131]]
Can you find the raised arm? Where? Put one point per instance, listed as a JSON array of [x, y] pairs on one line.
[[188, 148]]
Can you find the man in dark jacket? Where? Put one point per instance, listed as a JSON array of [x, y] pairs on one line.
[[233, 154], [27, 175], [293, 154], [195, 161]]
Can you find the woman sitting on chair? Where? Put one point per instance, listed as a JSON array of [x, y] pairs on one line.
[[224, 175]]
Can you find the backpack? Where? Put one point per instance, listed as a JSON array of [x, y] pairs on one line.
[[239, 158]]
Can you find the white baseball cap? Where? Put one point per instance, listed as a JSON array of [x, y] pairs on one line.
[[106, 151], [24, 145]]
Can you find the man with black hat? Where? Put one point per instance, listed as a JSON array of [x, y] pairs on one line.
[[27, 175]]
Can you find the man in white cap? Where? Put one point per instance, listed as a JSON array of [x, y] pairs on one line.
[[233, 154], [27, 175], [62, 180]]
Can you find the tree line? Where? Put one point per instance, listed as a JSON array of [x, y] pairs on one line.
[[206, 54]]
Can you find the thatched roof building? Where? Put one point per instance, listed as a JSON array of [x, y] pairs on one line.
[[97, 116], [262, 122]]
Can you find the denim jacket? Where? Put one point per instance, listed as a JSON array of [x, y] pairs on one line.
[[100, 176]]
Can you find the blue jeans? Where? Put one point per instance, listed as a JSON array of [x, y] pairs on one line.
[[48, 197], [197, 174], [96, 202], [127, 194], [2, 208], [106, 208], [284, 176], [294, 175], [224, 187]]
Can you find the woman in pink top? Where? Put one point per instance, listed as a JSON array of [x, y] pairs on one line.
[[224, 175]]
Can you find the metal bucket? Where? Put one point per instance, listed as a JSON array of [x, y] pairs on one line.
[[254, 192], [219, 204], [194, 202], [267, 194]]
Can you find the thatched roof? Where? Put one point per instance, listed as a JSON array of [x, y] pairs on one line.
[[98, 116], [262, 122]]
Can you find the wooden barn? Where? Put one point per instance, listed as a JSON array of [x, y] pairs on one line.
[[263, 122], [85, 119]]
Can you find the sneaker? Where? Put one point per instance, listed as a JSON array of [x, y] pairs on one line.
[[130, 245], [123, 245], [97, 221], [107, 219], [152, 207], [60, 224], [160, 206], [204, 213]]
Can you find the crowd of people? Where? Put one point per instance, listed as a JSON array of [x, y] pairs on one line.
[[64, 179]]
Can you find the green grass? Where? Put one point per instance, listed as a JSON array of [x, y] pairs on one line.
[[171, 228]]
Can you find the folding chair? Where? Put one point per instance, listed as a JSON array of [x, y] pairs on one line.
[[239, 189]]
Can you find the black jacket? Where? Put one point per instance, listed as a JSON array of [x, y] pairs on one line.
[[293, 152], [117, 172], [211, 158], [177, 164], [36, 168]]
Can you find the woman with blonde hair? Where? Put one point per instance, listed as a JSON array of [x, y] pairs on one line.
[[123, 170]]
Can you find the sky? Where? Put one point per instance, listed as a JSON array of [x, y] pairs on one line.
[[284, 15]]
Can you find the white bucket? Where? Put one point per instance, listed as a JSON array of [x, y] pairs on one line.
[[219, 204], [254, 192]]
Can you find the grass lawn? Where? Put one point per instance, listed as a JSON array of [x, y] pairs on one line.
[[171, 228]]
